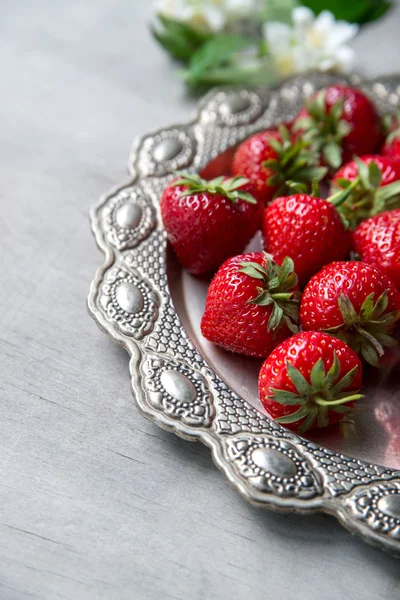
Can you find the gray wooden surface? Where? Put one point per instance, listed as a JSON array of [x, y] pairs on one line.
[[95, 501]]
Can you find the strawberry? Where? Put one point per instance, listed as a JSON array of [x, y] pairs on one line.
[[252, 304], [391, 147], [208, 221], [377, 241], [341, 121], [308, 229], [354, 302], [276, 163], [310, 380], [375, 187]]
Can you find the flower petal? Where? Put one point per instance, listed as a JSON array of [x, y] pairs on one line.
[[345, 58], [302, 16], [278, 37], [340, 34], [324, 23], [214, 17]]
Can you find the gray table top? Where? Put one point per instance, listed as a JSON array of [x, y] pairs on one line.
[[97, 502]]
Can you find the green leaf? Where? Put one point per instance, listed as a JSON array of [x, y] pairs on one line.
[[315, 191], [369, 355], [243, 196], [287, 267], [333, 372], [317, 376], [375, 174], [337, 109], [302, 412], [263, 299], [298, 380], [214, 52], [284, 397], [356, 11], [249, 269], [379, 307], [179, 39], [387, 197], [276, 317], [262, 74], [367, 307], [309, 421], [343, 183], [347, 309], [277, 10], [332, 155], [345, 381], [363, 173]]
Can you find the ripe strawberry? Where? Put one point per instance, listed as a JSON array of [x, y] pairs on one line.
[[375, 187], [391, 147], [377, 241], [252, 304], [356, 303], [208, 221], [308, 229], [276, 163], [342, 122], [310, 380]]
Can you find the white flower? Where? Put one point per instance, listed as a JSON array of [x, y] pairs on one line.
[[311, 42], [206, 15]]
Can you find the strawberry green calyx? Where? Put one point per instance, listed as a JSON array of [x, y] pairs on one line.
[[368, 332], [389, 126], [296, 165], [228, 187], [324, 129], [276, 289], [367, 198], [324, 393]]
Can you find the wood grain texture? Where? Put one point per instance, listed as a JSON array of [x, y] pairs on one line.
[[95, 501]]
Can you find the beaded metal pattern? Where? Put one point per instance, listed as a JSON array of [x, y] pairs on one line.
[[172, 383]]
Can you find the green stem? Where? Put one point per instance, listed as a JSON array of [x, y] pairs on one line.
[[341, 196], [322, 402], [282, 296]]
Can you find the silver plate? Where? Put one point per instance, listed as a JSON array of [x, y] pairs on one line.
[[146, 303]]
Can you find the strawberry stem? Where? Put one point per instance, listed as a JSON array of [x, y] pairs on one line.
[[353, 398]]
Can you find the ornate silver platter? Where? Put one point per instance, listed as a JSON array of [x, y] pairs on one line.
[[146, 303]]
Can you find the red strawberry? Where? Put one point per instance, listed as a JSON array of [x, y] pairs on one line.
[[310, 380], [342, 122], [208, 221], [252, 304], [276, 164], [391, 147], [377, 241], [354, 302], [308, 229], [375, 183]]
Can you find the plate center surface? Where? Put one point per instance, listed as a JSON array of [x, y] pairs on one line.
[[376, 435]]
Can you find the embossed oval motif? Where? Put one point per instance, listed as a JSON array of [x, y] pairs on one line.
[[274, 462], [167, 149], [129, 297], [178, 386], [236, 105], [390, 505], [128, 215]]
